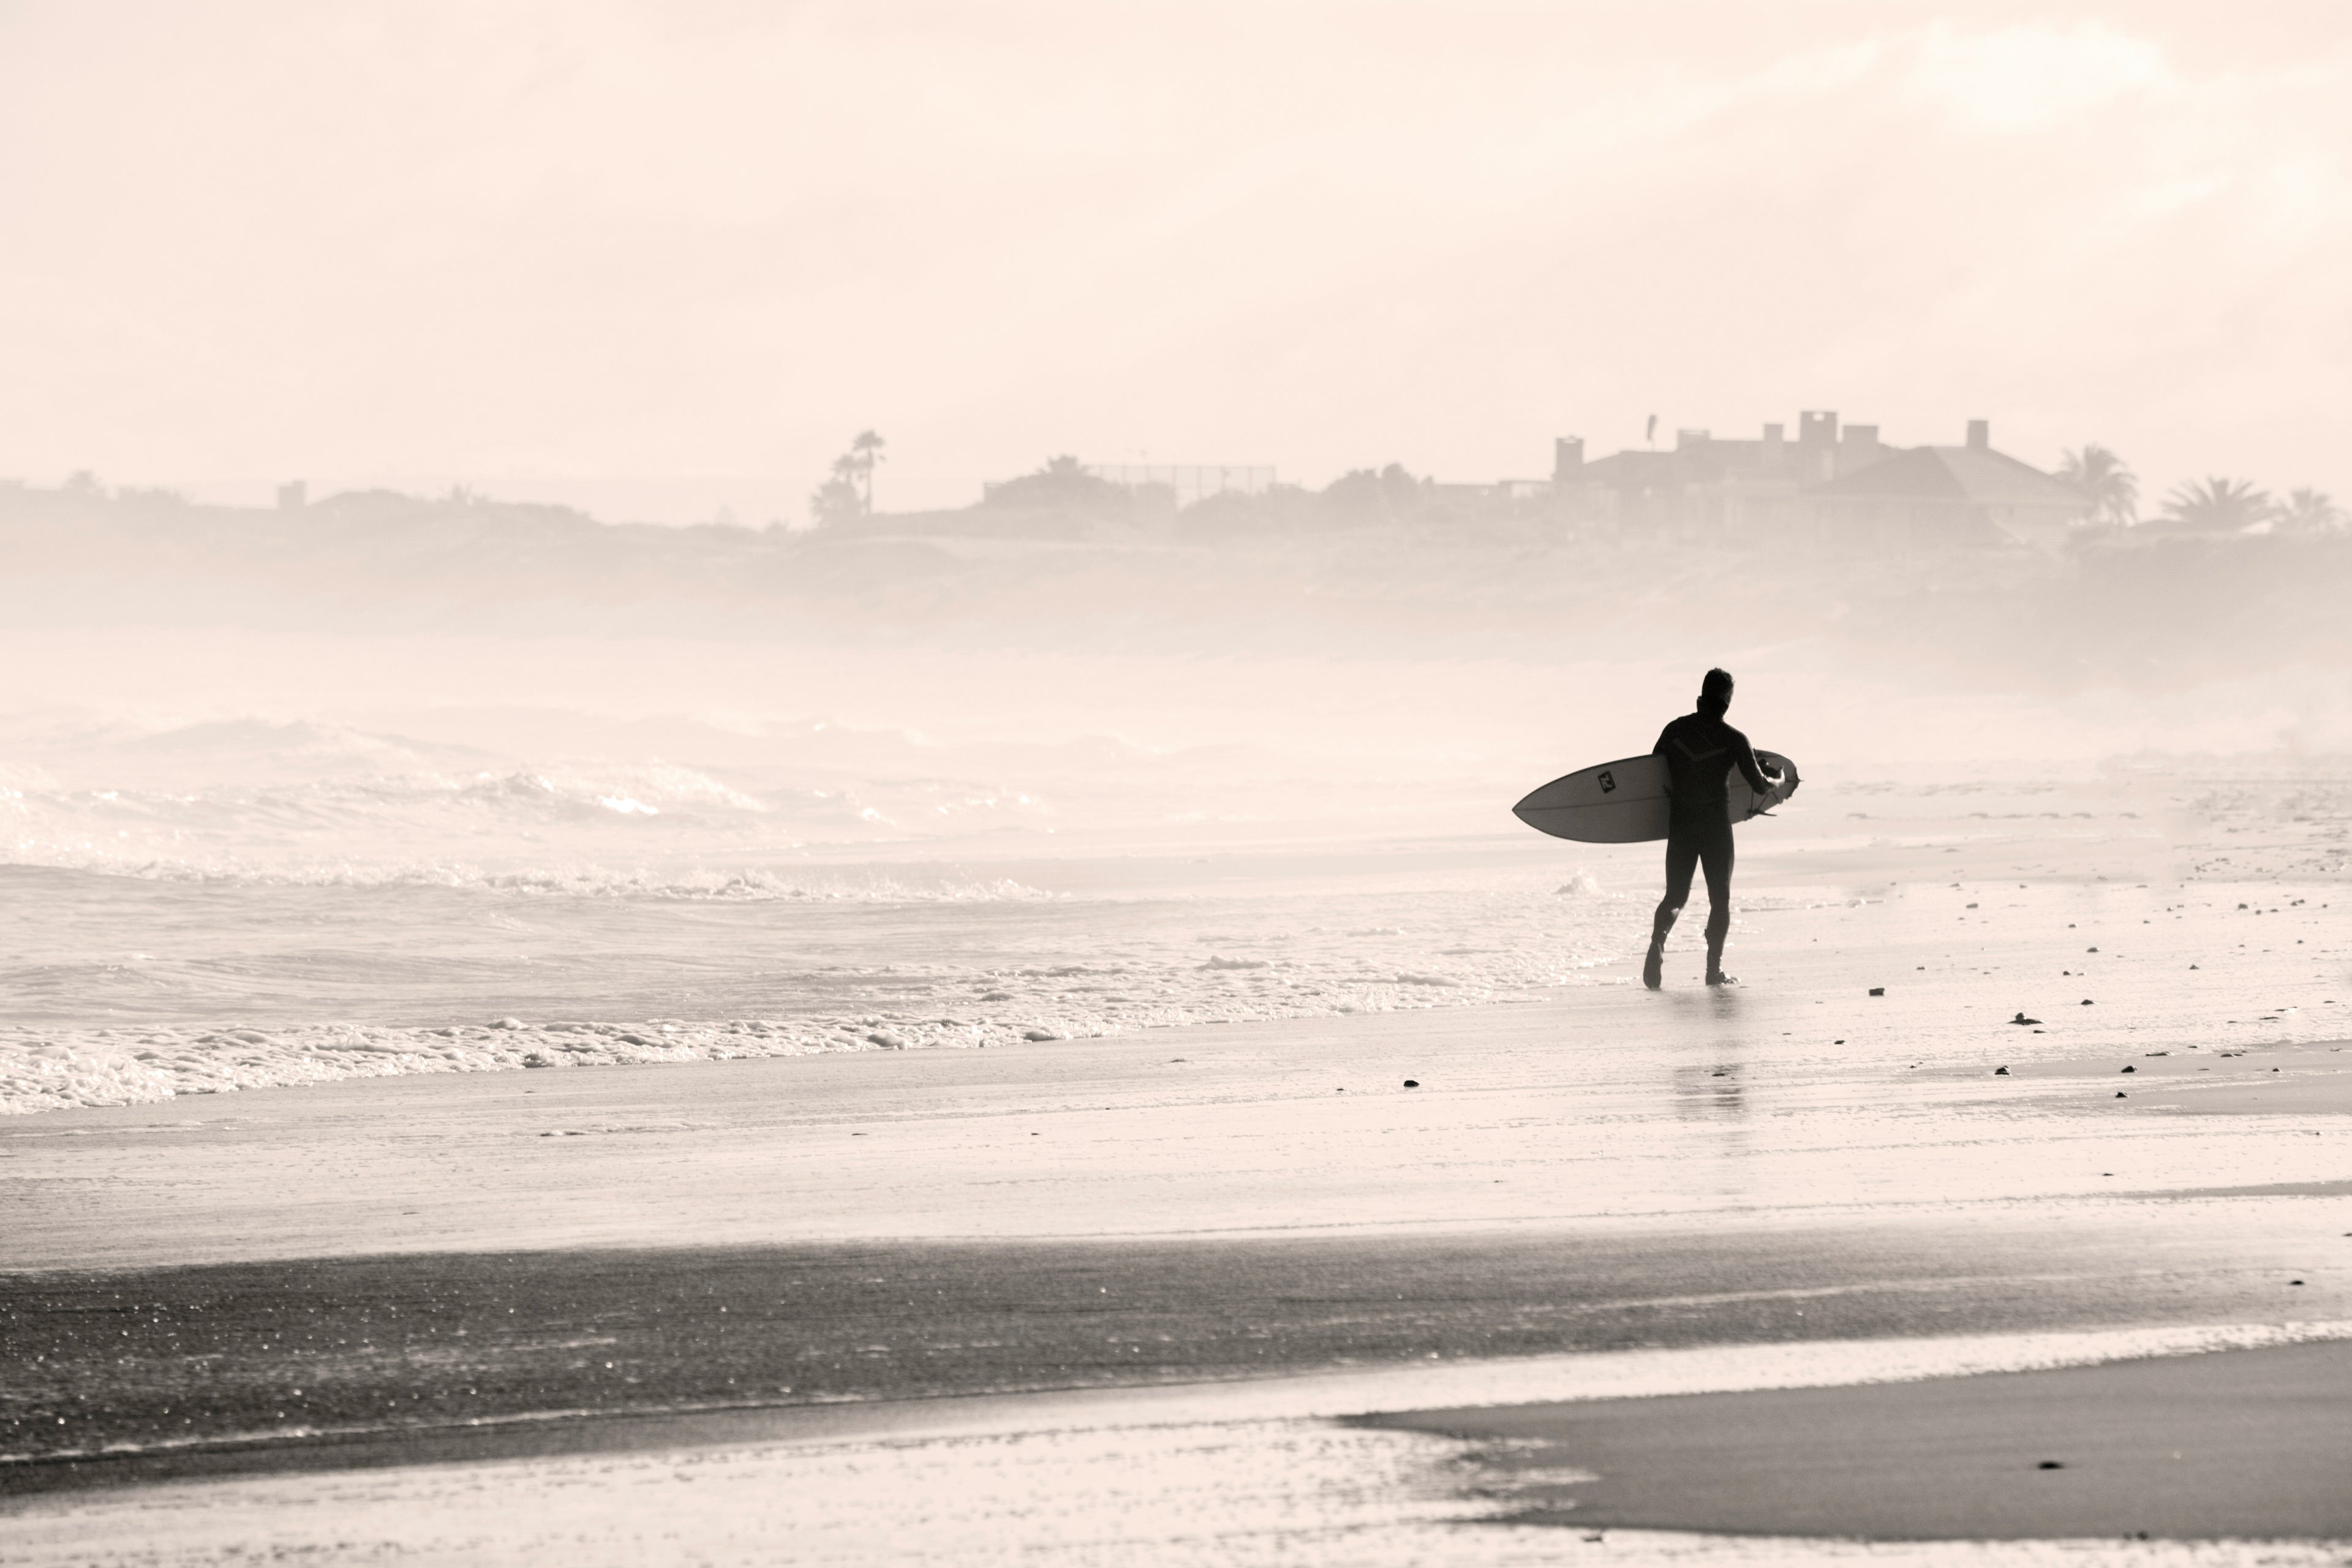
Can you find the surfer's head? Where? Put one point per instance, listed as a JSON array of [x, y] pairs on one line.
[[1715, 693]]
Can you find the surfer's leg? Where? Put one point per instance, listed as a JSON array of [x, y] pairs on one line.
[[1682, 859], [1714, 854]]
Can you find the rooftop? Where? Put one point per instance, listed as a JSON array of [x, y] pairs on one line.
[[1957, 473]]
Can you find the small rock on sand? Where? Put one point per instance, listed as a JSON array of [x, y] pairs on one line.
[[1413, 1083], [2000, 1072], [1878, 991]]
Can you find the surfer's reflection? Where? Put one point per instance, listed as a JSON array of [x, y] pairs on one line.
[[1711, 1099], [1709, 1090], [1700, 750]]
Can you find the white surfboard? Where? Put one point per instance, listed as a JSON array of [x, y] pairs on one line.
[[1626, 802]]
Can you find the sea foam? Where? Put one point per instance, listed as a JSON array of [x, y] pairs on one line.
[[784, 967]]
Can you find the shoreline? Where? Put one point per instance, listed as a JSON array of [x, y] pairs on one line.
[[550, 1010], [1530, 1116], [1782, 1169]]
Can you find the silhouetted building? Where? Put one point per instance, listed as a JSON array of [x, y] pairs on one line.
[[1947, 498], [1830, 486]]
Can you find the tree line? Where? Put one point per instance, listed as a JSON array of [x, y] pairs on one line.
[[2214, 505]]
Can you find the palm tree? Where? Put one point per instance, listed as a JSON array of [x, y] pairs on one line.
[[2218, 505], [865, 452], [836, 499], [2099, 474], [2307, 511]]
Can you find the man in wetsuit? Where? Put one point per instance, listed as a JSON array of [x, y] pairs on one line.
[[1700, 750]]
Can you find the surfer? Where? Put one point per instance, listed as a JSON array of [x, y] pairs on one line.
[[1700, 750]]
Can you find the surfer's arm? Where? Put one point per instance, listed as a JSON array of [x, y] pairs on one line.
[[1759, 778]]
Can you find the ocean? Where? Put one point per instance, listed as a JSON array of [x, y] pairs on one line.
[[246, 904]]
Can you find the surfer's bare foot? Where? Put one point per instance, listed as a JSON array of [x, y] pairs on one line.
[[1718, 977], [1654, 968]]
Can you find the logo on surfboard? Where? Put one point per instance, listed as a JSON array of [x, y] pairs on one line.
[[1608, 780]]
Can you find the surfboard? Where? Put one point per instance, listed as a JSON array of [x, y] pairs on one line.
[[1624, 802]]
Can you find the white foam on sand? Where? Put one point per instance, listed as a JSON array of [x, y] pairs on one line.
[[997, 963], [1242, 1474], [120, 1031]]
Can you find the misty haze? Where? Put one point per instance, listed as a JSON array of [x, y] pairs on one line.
[[758, 776]]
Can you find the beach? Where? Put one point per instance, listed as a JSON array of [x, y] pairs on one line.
[[1222, 1239]]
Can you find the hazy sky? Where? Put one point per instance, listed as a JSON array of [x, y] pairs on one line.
[[657, 257]]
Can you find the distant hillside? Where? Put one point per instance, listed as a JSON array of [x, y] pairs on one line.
[[2146, 614]]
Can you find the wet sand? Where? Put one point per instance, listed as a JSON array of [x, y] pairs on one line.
[[1800, 1093], [1260, 1473], [367, 1361], [2253, 1444], [1795, 1163]]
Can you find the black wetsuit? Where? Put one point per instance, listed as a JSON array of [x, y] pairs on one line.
[[1700, 750]]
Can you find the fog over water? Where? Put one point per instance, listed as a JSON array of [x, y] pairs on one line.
[[386, 784]]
